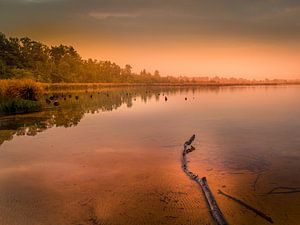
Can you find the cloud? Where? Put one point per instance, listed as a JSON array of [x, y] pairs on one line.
[[267, 19], [38, 1], [108, 15]]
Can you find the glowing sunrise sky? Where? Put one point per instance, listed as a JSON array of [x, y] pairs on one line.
[[244, 38]]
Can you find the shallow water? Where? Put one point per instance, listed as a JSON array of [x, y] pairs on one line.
[[114, 157]]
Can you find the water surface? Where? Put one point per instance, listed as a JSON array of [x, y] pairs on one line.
[[113, 156]]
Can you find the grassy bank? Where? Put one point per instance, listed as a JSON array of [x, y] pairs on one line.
[[20, 96]]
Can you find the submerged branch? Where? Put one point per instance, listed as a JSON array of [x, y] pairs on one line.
[[261, 214], [255, 181], [284, 190]]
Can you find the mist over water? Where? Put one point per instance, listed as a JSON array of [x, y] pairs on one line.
[[113, 156]]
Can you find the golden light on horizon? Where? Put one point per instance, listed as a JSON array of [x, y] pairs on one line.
[[199, 58], [255, 39]]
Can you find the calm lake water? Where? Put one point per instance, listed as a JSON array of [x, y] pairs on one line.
[[114, 157]]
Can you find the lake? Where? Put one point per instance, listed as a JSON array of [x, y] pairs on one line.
[[113, 156]]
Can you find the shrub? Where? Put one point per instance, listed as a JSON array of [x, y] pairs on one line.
[[21, 89]]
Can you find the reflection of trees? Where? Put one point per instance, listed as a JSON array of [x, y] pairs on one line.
[[70, 111]]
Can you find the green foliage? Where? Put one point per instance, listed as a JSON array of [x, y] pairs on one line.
[[17, 106], [22, 73], [2, 68]]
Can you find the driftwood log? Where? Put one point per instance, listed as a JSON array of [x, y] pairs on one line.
[[211, 202]]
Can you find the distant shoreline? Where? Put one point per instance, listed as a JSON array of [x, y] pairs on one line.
[[26, 96], [90, 86]]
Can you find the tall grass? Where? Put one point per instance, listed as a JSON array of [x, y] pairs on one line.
[[21, 89], [20, 96]]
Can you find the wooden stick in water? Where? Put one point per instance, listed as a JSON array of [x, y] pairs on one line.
[[283, 190], [214, 208], [261, 214], [212, 204]]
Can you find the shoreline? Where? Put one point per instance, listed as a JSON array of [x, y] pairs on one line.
[[26, 96], [83, 86]]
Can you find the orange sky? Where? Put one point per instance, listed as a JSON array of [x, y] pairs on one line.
[[251, 39], [258, 61], [246, 59]]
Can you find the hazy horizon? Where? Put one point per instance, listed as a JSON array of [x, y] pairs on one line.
[[257, 39]]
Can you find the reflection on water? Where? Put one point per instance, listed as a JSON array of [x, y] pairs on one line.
[[73, 106], [113, 156]]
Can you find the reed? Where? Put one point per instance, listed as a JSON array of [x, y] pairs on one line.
[[21, 89], [20, 96]]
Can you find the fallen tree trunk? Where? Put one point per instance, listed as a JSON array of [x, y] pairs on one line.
[[212, 204]]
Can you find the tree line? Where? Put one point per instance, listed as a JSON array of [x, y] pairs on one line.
[[23, 58]]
